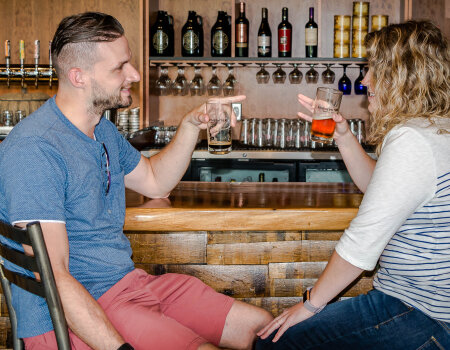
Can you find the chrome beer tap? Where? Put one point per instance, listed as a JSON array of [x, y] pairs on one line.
[[36, 61]]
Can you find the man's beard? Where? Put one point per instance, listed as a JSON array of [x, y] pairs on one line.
[[102, 100]]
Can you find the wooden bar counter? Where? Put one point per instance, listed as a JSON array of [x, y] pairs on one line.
[[263, 243]]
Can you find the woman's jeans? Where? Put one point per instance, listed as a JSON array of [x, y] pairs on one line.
[[374, 321]]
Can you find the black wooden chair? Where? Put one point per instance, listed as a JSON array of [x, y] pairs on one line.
[[45, 287]]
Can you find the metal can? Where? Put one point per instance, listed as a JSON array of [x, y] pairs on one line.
[[341, 36], [361, 8], [379, 21], [360, 22], [342, 22], [359, 51], [341, 50], [358, 37]]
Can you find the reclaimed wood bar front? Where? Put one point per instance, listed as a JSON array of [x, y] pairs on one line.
[[263, 243]]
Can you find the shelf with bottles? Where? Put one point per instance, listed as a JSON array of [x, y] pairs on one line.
[[251, 61]]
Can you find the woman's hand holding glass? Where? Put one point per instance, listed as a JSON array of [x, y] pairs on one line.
[[342, 127]]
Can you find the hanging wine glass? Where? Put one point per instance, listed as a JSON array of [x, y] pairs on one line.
[[345, 84], [214, 85], [262, 76], [196, 85], [360, 89], [230, 83], [328, 75], [279, 76], [180, 84], [295, 76], [163, 83], [312, 76]]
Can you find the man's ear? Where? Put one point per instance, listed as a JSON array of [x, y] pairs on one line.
[[77, 77]]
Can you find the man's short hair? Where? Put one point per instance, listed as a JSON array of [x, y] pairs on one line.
[[76, 37]]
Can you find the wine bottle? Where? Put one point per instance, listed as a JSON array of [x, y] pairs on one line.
[[159, 36], [311, 35], [169, 21], [192, 36], [264, 36], [220, 36], [241, 48], [284, 35]]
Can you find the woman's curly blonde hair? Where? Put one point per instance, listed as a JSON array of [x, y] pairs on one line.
[[409, 65]]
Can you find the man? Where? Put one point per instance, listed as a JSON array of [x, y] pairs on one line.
[[67, 168]]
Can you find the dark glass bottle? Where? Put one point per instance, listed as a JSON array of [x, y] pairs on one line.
[[345, 84], [311, 30], [242, 24], [169, 19], [220, 36], [360, 89], [284, 35], [160, 36], [264, 36], [192, 36]]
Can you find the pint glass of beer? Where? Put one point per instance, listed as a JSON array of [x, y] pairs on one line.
[[219, 126], [326, 104]]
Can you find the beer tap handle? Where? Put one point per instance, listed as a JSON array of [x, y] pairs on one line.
[[22, 61], [22, 52], [7, 51], [37, 50], [7, 59], [50, 53], [50, 64]]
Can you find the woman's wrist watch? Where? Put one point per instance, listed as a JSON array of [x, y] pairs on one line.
[[307, 304], [125, 346]]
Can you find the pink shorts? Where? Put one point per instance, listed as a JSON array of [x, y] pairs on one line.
[[170, 311]]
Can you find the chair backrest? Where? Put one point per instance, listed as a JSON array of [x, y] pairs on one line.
[[44, 287]]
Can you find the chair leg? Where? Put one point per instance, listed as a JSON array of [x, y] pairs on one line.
[[17, 342]]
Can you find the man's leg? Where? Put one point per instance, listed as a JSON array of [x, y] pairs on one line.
[[242, 323], [219, 319]]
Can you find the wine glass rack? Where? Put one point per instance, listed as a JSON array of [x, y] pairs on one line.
[[252, 62]]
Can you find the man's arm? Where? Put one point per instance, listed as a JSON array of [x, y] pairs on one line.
[[84, 315], [157, 176]]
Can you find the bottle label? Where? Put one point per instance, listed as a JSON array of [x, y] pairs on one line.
[[190, 41], [264, 44], [160, 41], [311, 36], [284, 41], [220, 41], [241, 35]]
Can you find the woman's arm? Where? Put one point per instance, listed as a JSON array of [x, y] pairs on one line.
[[359, 165]]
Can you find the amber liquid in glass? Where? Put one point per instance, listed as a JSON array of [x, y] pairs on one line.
[[322, 130]]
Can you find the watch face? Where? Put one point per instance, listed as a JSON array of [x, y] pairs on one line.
[[306, 294]]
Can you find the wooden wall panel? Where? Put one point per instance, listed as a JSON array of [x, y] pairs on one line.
[[224, 237], [238, 281], [275, 305], [174, 248], [290, 287], [38, 19]]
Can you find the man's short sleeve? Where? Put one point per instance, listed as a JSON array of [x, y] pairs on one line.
[[129, 156], [33, 179]]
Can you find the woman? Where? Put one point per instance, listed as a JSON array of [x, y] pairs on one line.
[[403, 223]]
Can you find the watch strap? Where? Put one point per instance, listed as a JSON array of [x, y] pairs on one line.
[[310, 307], [126, 346], [307, 304]]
